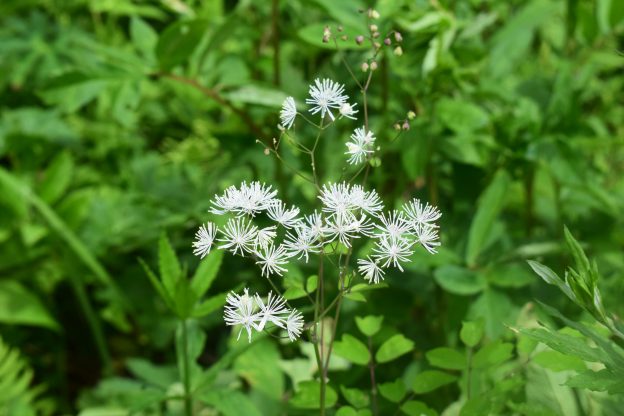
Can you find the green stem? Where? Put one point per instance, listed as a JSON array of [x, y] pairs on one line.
[[371, 368], [468, 372], [188, 406]]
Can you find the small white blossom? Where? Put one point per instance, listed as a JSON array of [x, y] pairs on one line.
[[392, 250], [287, 217], [347, 110], [360, 146], [325, 95], [363, 226], [265, 236], [336, 198], [248, 199], [240, 311], [427, 237], [273, 311], [369, 202], [294, 324], [204, 237], [288, 112], [272, 259], [394, 224], [370, 270], [302, 243], [421, 215], [341, 227], [239, 235], [315, 225]]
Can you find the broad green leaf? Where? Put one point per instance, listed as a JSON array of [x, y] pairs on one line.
[[471, 332], [19, 306], [477, 406], [259, 367], [257, 94], [209, 305], [601, 380], [430, 380], [170, 271], [311, 283], [393, 391], [566, 344], [492, 354], [489, 206], [546, 388], [393, 348], [160, 376], [369, 325], [184, 299], [459, 281], [417, 408], [447, 358], [144, 37], [346, 411], [556, 361], [206, 272], [509, 275], [72, 90], [229, 402], [496, 310], [461, 116], [356, 397], [178, 42], [352, 349], [308, 396], [57, 178]]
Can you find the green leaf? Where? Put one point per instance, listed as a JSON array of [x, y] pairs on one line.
[[393, 348], [416, 408], [209, 305], [601, 380], [488, 208], [369, 325], [178, 42], [57, 178], [566, 344], [72, 90], [393, 391], [352, 349], [496, 309], [165, 296], [313, 34], [556, 361], [447, 358], [311, 283], [206, 272], [230, 402], [346, 411], [308, 395], [170, 272], [430, 380], [461, 116], [144, 37], [458, 280], [471, 332], [19, 306], [152, 374], [492, 354], [257, 94], [184, 299], [356, 397]]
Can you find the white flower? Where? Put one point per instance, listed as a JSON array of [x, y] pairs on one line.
[[294, 324], [360, 146], [369, 202], [363, 226], [371, 271], [315, 225], [265, 236], [240, 311], [249, 199], [392, 250], [287, 217], [272, 260], [336, 198], [273, 311], [204, 237], [325, 95], [238, 235], [421, 215], [348, 110], [427, 237], [341, 227], [302, 243], [394, 225], [288, 112]]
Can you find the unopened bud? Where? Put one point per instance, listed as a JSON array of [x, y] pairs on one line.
[[398, 37], [327, 31], [373, 14], [325, 39], [397, 126], [359, 39], [373, 65], [340, 28], [344, 37], [375, 35], [364, 67], [373, 28], [411, 115], [398, 51], [377, 45], [387, 41], [267, 151], [405, 125]]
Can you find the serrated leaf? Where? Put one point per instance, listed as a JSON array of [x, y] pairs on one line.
[[492, 354], [19, 306], [602, 380], [206, 272], [352, 349], [447, 358], [393, 348], [556, 361], [170, 271], [57, 178], [209, 305], [430, 380]]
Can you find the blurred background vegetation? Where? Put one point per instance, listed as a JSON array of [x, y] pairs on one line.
[[120, 119]]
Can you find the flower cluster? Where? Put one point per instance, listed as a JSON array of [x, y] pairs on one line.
[[252, 312]]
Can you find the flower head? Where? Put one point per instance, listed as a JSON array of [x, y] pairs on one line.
[[420, 214], [371, 270], [428, 238], [287, 217], [271, 311], [302, 243], [248, 199], [325, 95], [393, 224], [265, 236], [272, 259], [347, 110], [360, 146], [294, 324], [204, 237], [240, 311], [238, 236], [288, 112], [392, 250]]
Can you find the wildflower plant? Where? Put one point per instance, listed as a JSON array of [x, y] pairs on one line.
[[347, 214]]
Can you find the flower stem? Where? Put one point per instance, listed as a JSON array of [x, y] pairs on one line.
[[371, 368], [188, 406]]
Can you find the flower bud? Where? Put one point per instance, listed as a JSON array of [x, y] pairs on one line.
[[373, 65], [340, 28], [411, 115], [373, 28], [373, 14], [327, 32], [375, 35], [398, 51], [267, 151], [377, 45], [364, 67], [398, 37], [397, 126], [387, 41], [325, 39], [405, 125], [359, 39], [344, 37]]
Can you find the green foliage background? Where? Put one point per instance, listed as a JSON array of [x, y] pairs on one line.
[[120, 119]]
